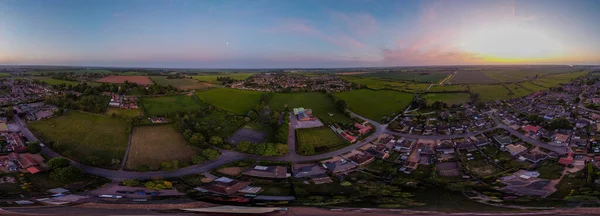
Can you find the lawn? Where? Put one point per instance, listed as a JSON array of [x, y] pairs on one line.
[[80, 135], [532, 86], [161, 106], [152, 145], [517, 90], [321, 139], [182, 84], [408, 76], [448, 88], [232, 100], [448, 98], [477, 165], [490, 92], [321, 105], [376, 105], [376, 83], [416, 87], [212, 78], [124, 113], [51, 81], [550, 169]]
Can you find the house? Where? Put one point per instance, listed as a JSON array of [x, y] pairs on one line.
[[359, 157], [337, 165], [515, 149], [267, 172], [530, 129], [304, 114], [307, 170], [362, 130], [503, 140], [566, 160], [404, 146], [561, 138], [480, 141], [445, 147], [533, 156], [378, 151], [225, 186], [465, 146]]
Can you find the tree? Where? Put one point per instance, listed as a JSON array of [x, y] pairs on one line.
[[210, 153], [198, 159], [58, 162], [215, 140], [188, 133], [282, 149], [306, 149], [474, 97], [34, 147], [197, 139], [252, 115], [92, 160], [560, 123], [65, 174], [131, 183], [244, 146]]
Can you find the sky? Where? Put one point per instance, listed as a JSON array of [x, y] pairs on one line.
[[297, 33]]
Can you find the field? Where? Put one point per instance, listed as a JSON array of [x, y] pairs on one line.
[[212, 78], [51, 81], [141, 80], [375, 83], [517, 90], [181, 84], [321, 139], [448, 98], [81, 135], [152, 145], [4, 74], [448, 88], [124, 113], [376, 105], [416, 88], [320, 103], [471, 76], [490, 92], [232, 100], [532, 86], [161, 106], [407, 76]]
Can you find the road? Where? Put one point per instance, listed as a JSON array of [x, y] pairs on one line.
[[228, 156]]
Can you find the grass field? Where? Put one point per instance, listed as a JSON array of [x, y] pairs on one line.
[[212, 78], [448, 88], [490, 92], [181, 84], [448, 98], [517, 90], [376, 105], [149, 147], [83, 134], [232, 100], [320, 104], [124, 113], [51, 81], [160, 106], [416, 87], [322, 139], [532, 86], [408, 76], [471, 76], [375, 83], [4, 74]]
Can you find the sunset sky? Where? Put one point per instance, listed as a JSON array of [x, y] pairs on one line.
[[298, 33]]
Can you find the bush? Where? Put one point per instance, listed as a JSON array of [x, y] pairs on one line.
[[198, 159], [93, 160], [34, 147], [143, 168], [58, 162], [158, 185], [131, 183], [65, 174], [210, 153]]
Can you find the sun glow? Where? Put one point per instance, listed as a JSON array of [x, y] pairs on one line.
[[511, 43]]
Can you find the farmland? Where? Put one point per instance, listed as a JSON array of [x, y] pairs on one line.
[[376, 105], [320, 103], [375, 83], [532, 86], [448, 98], [448, 88], [471, 76], [161, 106], [212, 78], [181, 84], [232, 100], [51, 81], [141, 80], [517, 90], [490, 92], [148, 147], [317, 140], [124, 113], [416, 87], [83, 135], [407, 76]]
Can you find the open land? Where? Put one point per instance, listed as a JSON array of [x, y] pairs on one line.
[[141, 80], [517, 90], [408, 76], [376, 105], [471, 76], [181, 84], [82, 135], [149, 147], [532, 86], [212, 78], [322, 139], [321, 105], [124, 113], [490, 92], [448, 98], [232, 100], [448, 88], [51, 81], [160, 106]]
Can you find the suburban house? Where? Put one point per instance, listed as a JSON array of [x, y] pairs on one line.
[[362, 129], [465, 146], [533, 156], [344, 134], [223, 185], [378, 151], [313, 171], [566, 160], [304, 114], [267, 172], [445, 147], [532, 130], [358, 157], [404, 146], [515, 149], [337, 165], [561, 138], [16, 143]]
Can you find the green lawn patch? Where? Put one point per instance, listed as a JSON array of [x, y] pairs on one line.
[[124, 113], [161, 106], [550, 169], [232, 100], [317, 140], [532, 86], [321, 105], [517, 90], [448, 98], [51, 81], [490, 92], [80, 135], [376, 105]]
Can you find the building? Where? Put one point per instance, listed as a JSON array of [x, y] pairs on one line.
[[267, 172], [362, 129], [515, 149], [337, 165], [304, 114], [313, 171], [225, 186]]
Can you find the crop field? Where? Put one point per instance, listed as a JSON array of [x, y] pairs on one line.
[[448, 88], [490, 92], [80, 135], [181, 84], [375, 83], [161, 106], [124, 113], [232, 100], [212, 78], [141, 80], [51, 81], [471, 76], [152, 145], [321, 139], [321, 105], [416, 87], [448, 98], [4, 74], [517, 90], [376, 105], [531, 86], [544, 84], [407, 76]]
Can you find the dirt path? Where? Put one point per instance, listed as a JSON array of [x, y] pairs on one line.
[[124, 161], [291, 141]]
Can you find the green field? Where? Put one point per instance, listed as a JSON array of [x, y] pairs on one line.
[[81, 135], [490, 92], [4, 74], [124, 113], [232, 100], [448, 98], [320, 103], [181, 84], [517, 90], [376, 105], [148, 147], [407, 76], [161, 106], [471, 76], [51, 81], [375, 83], [448, 88], [212, 78], [532, 86], [320, 139], [416, 87]]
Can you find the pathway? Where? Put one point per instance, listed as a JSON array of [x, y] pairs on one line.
[[124, 161], [291, 140]]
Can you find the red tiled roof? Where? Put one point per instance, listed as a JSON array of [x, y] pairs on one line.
[[33, 170]]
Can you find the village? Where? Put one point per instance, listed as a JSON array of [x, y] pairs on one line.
[[286, 82]]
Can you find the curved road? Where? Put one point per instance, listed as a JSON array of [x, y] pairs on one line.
[[232, 156]]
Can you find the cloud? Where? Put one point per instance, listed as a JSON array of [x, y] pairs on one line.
[[359, 24], [303, 27]]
